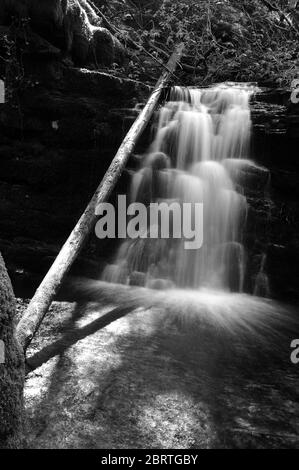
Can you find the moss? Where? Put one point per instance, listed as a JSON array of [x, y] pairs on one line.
[[87, 43], [105, 48], [12, 371], [72, 25]]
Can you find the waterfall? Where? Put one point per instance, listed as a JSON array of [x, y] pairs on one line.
[[200, 154], [202, 137]]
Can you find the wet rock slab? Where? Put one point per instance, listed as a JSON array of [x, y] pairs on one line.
[[143, 383]]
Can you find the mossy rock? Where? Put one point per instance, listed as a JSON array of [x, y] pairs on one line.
[[70, 25]]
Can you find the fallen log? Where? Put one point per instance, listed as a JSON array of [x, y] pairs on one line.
[[40, 303]]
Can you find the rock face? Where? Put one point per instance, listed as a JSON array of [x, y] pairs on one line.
[[11, 368], [272, 235], [59, 130]]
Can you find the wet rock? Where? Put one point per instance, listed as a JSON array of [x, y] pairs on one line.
[[278, 96], [247, 174], [270, 118], [262, 287], [137, 279], [273, 221], [285, 182], [273, 113], [282, 266]]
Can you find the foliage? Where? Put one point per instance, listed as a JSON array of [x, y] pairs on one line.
[[249, 40], [12, 70]]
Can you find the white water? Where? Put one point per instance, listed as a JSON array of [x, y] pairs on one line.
[[202, 138], [201, 145]]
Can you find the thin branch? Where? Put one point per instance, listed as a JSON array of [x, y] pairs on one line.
[[272, 7]]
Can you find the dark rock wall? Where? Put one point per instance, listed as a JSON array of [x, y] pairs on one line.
[[272, 235], [59, 128], [56, 142]]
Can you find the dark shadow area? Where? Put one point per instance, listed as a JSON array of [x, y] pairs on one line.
[[73, 335]]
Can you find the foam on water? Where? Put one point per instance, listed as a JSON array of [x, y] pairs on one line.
[[240, 316]]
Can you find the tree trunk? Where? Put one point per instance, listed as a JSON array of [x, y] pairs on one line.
[[11, 368]]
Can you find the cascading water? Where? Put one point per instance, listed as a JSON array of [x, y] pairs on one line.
[[200, 154], [202, 136]]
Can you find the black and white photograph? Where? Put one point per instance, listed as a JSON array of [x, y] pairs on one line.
[[149, 228]]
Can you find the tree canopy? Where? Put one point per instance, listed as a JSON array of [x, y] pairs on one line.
[[225, 40], [248, 40]]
